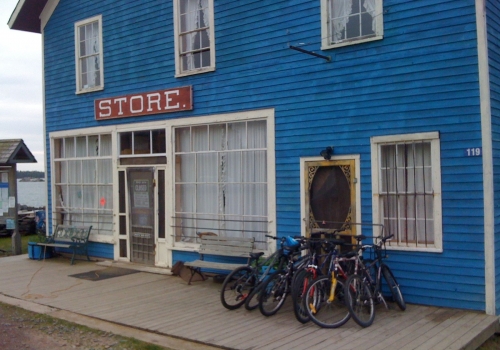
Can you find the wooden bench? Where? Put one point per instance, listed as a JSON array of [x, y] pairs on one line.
[[68, 237], [220, 246]]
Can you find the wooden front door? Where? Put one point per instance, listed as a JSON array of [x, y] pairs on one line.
[[330, 197]]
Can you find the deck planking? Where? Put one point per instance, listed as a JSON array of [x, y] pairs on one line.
[[167, 305]]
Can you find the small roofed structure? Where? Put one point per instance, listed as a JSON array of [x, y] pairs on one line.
[[15, 151], [12, 152]]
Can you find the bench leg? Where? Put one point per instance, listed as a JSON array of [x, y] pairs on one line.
[[196, 270], [73, 256]]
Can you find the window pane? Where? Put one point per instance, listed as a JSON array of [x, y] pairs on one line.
[[206, 198], [185, 198], [200, 138], [206, 167], [232, 162], [142, 142], [236, 136], [69, 147], [105, 149], [88, 171], [182, 140], [104, 171], [254, 166], [93, 146], [81, 146], [126, 143], [75, 171], [257, 135], [185, 168], [159, 141], [217, 137]]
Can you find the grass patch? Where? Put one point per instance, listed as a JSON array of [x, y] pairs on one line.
[[75, 334], [6, 245]]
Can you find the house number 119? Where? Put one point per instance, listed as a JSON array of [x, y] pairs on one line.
[[473, 152]]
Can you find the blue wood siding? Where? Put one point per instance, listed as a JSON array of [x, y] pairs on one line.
[[100, 250], [422, 77], [493, 27]]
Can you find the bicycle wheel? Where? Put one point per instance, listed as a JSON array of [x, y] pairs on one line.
[[359, 301], [236, 287], [393, 286], [273, 293], [322, 311], [252, 301], [301, 281]]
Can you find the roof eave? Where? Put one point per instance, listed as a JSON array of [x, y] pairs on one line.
[[26, 16]]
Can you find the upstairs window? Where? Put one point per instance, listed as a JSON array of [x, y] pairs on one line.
[[346, 22], [194, 36], [88, 51]]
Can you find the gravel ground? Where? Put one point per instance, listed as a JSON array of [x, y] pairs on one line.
[[24, 330]]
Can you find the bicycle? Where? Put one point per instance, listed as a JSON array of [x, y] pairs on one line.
[[275, 289], [324, 299], [312, 269], [239, 287], [364, 288]]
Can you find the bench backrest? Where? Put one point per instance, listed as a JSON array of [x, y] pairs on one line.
[[226, 246], [67, 233]]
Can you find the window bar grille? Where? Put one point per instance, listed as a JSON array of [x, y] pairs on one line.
[[425, 194], [386, 201]]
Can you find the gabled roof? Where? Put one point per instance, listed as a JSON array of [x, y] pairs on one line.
[[15, 151], [26, 16]]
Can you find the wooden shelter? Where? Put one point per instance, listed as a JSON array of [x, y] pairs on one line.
[[11, 152]]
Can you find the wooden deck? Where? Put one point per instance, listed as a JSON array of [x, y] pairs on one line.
[[165, 304]]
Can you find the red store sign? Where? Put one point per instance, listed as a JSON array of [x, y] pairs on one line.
[[155, 102]]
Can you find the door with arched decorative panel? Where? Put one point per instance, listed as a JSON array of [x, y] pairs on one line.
[[330, 198]]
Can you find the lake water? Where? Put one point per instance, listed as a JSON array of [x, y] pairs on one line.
[[32, 194]]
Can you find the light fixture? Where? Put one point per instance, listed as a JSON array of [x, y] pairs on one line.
[[327, 153]]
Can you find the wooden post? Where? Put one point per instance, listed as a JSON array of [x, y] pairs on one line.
[[16, 236]]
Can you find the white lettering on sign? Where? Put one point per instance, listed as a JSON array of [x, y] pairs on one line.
[[105, 105], [120, 101], [179, 99], [156, 100], [169, 99], [141, 104]]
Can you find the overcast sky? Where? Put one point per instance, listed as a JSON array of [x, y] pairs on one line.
[[21, 108]]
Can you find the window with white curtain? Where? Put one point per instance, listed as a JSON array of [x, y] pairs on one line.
[[221, 180], [346, 22], [83, 182], [194, 36], [89, 58], [408, 187]]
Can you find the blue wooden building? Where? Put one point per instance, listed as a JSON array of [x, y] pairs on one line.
[[164, 119]]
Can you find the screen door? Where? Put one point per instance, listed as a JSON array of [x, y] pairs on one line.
[[141, 215]]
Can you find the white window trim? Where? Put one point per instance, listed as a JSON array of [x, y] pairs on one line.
[[433, 137], [267, 114], [77, 55], [325, 33], [111, 239], [178, 63]]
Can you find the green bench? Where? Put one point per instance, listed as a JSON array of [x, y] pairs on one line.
[[68, 237]]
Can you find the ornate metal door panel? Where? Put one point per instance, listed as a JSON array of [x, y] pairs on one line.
[[330, 196], [141, 215]]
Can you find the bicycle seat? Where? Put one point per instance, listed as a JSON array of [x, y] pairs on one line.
[[349, 254], [256, 255]]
